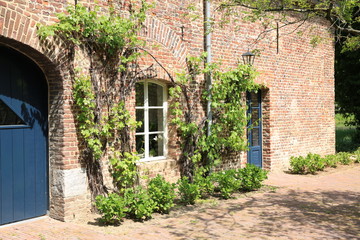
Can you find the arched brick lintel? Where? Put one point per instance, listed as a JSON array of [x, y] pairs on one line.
[[17, 25], [18, 30], [164, 35], [170, 41]]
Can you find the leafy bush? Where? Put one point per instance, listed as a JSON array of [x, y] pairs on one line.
[[343, 158], [251, 177], [357, 156], [309, 164], [313, 162], [188, 192], [139, 204], [317, 161], [330, 161], [162, 193], [123, 169], [205, 184], [298, 165], [244, 179], [134, 203], [227, 182], [112, 208]]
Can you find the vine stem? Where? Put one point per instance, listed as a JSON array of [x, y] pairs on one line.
[[157, 61]]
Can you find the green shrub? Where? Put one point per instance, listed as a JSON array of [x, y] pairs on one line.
[[313, 162], [251, 177], [343, 158], [112, 208], [162, 193], [357, 156], [309, 164], [298, 165], [317, 161], [331, 161], [139, 204], [188, 192], [205, 185], [226, 183]]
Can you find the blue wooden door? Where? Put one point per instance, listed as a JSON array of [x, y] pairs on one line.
[[254, 128], [23, 138]]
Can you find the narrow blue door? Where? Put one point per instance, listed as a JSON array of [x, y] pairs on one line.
[[254, 128], [23, 138]]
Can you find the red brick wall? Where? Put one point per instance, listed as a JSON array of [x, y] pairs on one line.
[[298, 107], [298, 96]]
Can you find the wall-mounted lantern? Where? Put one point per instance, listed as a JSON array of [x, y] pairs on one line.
[[248, 58]]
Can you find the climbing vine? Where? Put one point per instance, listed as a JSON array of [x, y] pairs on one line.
[[109, 40], [202, 151], [96, 136]]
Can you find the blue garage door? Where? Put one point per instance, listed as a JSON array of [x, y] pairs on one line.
[[23, 138]]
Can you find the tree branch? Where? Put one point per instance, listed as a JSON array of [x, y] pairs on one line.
[[348, 29], [280, 9], [153, 57], [336, 19]]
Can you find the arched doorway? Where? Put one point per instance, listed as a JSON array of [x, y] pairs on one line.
[[23, 138]]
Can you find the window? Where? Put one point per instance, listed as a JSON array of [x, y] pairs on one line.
[[8, 117], [151, 108]]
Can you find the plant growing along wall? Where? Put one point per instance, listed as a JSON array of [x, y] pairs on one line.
[[110, 43], [201, 151]]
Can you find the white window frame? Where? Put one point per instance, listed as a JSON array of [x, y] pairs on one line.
[[146, 132]]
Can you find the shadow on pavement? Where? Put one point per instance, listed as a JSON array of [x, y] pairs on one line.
[[287, 215]]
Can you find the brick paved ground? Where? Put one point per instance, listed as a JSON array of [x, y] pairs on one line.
[[324, 206]]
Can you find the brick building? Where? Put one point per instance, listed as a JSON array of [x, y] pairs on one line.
[[40, 170]]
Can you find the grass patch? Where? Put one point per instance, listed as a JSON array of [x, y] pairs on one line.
[[346, 136], [346, 139]]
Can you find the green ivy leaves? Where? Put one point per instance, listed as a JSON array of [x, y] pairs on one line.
[[228, 109], [108, 31], [110, 39]]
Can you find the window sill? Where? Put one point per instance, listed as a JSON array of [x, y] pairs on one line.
[[152, 159]]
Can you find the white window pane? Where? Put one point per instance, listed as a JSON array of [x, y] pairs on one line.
[[140, 145], [150, 112], [139, 88], [255, 117], [155, 94], [140, 118], [156, 122], [254, 99], [255, 136], [156, 142], [8, 117]]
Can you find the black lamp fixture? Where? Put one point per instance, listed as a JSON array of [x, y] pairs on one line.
[[248, 58]]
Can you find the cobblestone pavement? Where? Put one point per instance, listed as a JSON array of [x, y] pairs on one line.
[[323, 206]]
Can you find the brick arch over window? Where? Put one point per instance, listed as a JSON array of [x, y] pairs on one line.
[[166, 45]]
